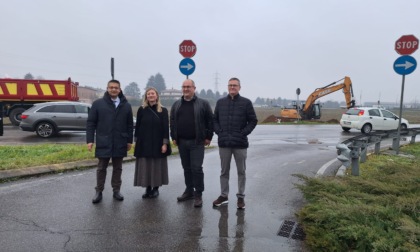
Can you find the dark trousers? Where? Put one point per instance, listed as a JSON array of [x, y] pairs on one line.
[[192, 156], [116, 173]]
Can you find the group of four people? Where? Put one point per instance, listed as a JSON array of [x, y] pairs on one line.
[[191, 128]]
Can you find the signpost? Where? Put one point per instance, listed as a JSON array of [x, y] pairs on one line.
[[187, 66], [405, 45], [112, 68], [298, 104], [187, 49], [405, 65]]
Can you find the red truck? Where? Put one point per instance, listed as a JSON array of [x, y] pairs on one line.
[[17, 95]]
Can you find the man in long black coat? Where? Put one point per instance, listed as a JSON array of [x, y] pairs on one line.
[[111, 118]]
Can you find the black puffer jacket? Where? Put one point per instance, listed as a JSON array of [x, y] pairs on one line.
[[113, 127], [234, 120]]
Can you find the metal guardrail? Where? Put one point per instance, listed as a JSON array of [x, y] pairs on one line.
[[354, 150]]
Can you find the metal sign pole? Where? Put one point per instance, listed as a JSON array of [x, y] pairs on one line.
[[397, 151], [112, 68], [1, 119]]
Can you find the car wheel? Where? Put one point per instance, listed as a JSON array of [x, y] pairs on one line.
[[403, 126], [346, 129], [45, 129], [367, 128], [15, 116]]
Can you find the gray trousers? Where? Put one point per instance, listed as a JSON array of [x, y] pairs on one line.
[[225, 159]]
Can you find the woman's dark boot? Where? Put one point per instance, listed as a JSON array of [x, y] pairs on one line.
[[147, 193], [155, 192]]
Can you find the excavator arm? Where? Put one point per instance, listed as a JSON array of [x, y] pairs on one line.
[[331, 88]]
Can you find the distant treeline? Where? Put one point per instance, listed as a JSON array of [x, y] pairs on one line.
[[212, 98], [279, 102]]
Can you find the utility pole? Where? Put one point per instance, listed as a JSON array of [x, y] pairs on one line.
[[216, 82]]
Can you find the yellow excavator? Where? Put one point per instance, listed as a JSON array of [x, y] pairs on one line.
[[311, 110]]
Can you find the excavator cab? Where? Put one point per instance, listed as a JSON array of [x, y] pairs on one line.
[[316, 111]]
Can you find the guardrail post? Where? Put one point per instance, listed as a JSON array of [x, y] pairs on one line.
[[395, 144], [377, 147], [363, 154], [362, 146], [413, 139], [355, 153]]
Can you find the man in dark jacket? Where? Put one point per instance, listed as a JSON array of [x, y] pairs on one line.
[[234, 120], [191, 129], [111, 118]]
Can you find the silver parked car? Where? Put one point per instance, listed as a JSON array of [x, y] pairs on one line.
[[48, 118]]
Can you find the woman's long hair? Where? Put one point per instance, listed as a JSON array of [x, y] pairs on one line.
[[146, 103]]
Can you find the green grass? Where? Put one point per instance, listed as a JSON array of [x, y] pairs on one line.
[[22, 156], [376, 211]]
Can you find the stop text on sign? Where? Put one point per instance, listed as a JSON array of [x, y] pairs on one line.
[[187, 49], [407, 45]]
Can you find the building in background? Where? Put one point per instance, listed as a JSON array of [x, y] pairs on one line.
[[89, 94], [169, 96]]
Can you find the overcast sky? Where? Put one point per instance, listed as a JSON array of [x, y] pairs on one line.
[[272, 46]]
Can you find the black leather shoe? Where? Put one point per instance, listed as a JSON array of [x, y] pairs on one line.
[[97, 198], [154, 193], [118, 196]]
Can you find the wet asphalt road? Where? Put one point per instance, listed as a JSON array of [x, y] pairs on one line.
[[55, 213]]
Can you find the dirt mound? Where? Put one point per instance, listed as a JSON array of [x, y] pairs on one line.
[[270, 119], [333, 121]]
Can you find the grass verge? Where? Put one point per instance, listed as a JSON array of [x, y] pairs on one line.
[[22, 156], [376, 211]]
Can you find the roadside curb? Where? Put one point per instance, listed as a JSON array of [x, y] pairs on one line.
[[45, 169]]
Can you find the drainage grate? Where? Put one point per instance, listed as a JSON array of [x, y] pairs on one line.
[[286, 228], [290, 227], [298, 234]]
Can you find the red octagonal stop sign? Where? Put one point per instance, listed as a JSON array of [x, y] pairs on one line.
[[406, 45], [187, 48]]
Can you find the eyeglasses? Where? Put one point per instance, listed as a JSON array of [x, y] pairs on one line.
[[114, 88], [187, 87], [233, 85]]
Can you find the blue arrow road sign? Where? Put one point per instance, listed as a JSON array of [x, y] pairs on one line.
[[405, 65], [187, 66]]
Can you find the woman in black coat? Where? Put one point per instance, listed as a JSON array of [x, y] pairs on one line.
[[152, 145]]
